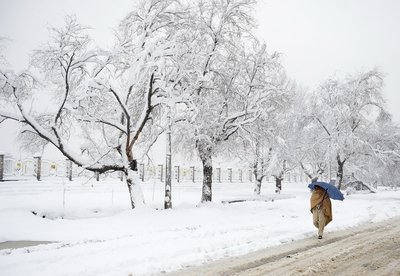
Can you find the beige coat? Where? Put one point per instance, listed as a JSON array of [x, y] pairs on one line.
[[320, 196]]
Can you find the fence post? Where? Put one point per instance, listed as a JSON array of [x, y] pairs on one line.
[[230, 174], [240, 175], [97, 176], [177, 173], [38, 166], [1, 167]]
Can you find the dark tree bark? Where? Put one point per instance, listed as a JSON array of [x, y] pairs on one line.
[[207, 182], [257, 187], [340, 171], [205, 152], [278, 184], [279, 178], [258, 177], [130, 183]]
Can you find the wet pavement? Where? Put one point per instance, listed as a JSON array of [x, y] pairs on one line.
[[20, 244]]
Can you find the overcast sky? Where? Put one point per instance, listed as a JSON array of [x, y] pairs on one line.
[[318, 38]]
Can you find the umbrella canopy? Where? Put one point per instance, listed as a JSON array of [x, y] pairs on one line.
[[332, 191]]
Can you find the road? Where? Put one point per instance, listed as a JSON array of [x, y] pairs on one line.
[[20, 244], [371, 249]]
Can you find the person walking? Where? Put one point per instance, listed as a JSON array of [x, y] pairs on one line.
[[321, 208]]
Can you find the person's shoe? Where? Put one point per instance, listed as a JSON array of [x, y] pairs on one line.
[[319, 237]]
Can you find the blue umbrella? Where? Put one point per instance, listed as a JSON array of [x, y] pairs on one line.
[[332, 191]]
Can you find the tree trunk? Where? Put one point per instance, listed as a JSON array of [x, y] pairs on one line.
[[134, 188], [258, 177], [168, 169], [206, 194], [205, 151], [279, 178], [278, 185], [257, 187], [339, 172]]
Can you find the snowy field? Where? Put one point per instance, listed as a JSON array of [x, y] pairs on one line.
[[95, 232]]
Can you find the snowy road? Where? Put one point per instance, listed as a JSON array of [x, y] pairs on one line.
[[372, 249]]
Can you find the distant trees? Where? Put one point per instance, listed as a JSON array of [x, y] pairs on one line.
[[271, 135], [310, 147], [344, 114], [381, 156], [265, 145]]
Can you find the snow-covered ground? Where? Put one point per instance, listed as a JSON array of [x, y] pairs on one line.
[[95, 232]]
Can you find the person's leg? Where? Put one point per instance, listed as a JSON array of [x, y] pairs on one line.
[[321, 222], [315, 217]]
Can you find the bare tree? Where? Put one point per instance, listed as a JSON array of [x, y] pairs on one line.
[[105, 104]]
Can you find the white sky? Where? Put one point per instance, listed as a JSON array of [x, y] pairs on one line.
[[318, 38]]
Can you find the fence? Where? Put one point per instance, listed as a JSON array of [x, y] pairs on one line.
[[194, 174], [39, 168]]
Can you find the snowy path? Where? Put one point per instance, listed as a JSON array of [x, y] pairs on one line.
[[372, 249]]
